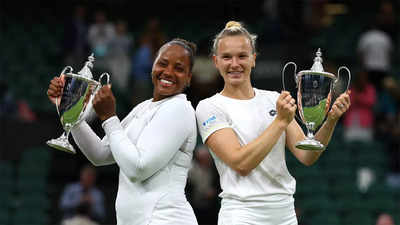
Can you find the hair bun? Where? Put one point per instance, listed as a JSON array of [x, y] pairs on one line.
[[233, 24]]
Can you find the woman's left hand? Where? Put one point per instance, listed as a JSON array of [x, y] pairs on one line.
[[104, 103], [339, 107]]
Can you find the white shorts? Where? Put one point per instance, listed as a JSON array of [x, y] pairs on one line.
[[235, 212]]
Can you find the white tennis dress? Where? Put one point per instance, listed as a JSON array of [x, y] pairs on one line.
[[153, 147], [265, 196]]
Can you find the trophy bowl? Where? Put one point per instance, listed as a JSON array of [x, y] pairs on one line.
[[314, 96], [74, 104]]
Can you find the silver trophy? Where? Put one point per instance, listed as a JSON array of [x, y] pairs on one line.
[[75, 103], [314, 94]]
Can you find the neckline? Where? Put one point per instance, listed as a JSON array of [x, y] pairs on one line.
[[240, 100], [181, 95], [149, 104]]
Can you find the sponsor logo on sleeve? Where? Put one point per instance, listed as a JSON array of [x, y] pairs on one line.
[[209, 121]]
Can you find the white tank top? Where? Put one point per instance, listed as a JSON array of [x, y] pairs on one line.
[[270, 181]]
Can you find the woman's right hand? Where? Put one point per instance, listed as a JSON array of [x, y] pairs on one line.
[[286, 107], [55, 88]]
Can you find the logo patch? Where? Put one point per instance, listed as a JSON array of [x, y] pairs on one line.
[[209, 121], [272, 112]]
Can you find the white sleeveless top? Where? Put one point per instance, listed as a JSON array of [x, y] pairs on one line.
[[270, 181]]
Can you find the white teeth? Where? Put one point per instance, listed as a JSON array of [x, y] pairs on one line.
[[166, 81]]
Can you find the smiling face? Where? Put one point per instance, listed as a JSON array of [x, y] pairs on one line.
[[234, 59], [171, 71]]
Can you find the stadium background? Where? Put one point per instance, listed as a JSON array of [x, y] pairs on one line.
[[31, 33]]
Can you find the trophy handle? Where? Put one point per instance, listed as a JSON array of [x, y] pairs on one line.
[[99, 84], [107, 76], [283, 74], [338, 76], [61, 74], [296, 79]]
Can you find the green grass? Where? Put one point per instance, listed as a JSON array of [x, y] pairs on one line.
[[71, 116], [315, 114]]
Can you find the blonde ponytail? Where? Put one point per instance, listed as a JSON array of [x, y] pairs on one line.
[[233, 28], [233, 24]]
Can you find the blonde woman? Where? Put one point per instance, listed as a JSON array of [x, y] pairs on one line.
[[247, 130]]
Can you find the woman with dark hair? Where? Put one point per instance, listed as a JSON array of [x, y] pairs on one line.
[[153, 146]]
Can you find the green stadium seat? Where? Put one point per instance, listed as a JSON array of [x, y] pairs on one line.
[[30, 216], [310, 188], [30, 170], [6, 201], [339, 173], [6, 185], [351, 203], [396, 217], [34, 162], [4, 216], [382, 203], [31, 184], [6, 168], [358, 218], [307, 174], [347, 196], [343, 187], [36, 200], [36, 155], [325, 218], [379, 189], [316, 204]]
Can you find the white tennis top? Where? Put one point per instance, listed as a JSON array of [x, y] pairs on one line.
[[270, 181], [376, 47], [153, 147]]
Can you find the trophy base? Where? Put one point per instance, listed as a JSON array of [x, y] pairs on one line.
[[310, 145], [61, 145]]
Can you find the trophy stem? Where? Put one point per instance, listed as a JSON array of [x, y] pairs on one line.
[[310, 144], [62, 143], [310, 135]]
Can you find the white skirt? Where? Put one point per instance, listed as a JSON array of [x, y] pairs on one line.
[[235, 212]]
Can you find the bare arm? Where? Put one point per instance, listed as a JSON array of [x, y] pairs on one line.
[[243, 159]]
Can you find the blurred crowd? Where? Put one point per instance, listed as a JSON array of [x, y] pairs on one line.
[[128, 56], [374, 114]]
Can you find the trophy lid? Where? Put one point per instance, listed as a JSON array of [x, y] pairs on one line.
[[317, 66], [85, 71]]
